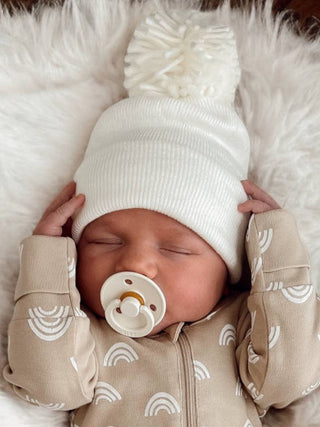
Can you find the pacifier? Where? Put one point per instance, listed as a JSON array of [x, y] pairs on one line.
[[133, 303]]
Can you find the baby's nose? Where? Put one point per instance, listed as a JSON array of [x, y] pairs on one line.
[[138, 260]]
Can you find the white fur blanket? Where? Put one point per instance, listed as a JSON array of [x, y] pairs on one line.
[[60, 68]]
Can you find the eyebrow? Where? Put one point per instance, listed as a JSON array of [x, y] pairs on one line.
[[101, 227], [174, 231]]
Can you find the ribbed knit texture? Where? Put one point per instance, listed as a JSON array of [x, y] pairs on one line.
[[180, 157]]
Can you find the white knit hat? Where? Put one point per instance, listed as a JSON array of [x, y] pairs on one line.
[[176, 145]]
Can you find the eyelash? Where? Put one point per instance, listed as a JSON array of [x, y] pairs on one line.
[[176, 251], [118, 244], [97, 242]]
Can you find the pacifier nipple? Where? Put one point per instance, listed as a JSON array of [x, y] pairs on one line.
[[133, 303], [130, 304]]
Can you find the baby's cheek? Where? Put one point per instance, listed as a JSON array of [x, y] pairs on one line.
[[92, 301], [184, 305], [90, 296], [200, 302]]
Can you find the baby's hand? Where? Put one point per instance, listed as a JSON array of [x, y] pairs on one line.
[[56, 220], [259, 201]]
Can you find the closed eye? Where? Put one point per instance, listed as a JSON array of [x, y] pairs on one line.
[[106, 242], [178, 251]]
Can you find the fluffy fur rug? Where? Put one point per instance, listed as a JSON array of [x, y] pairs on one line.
[[60, 68]]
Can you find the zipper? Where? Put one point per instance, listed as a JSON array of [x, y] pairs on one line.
[[190, 409]]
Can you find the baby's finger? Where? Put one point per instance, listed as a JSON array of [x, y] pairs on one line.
[[254, 206], [53, 224], [61, 215], [65, 194], [257, 193]]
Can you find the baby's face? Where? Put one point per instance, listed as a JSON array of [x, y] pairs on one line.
[[191, 275]]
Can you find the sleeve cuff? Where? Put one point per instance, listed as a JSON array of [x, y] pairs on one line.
[[46, 265], [276, 254]]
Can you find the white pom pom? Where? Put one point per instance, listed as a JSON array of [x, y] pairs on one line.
[[179, 54]]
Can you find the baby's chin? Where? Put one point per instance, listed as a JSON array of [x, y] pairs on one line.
[[164, 324], [156, 330]]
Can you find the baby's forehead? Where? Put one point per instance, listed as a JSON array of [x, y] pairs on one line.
[[136, 219]]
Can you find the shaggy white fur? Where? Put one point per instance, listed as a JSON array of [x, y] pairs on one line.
[[59, 68]]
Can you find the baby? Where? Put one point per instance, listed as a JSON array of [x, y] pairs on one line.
[[147, 329]]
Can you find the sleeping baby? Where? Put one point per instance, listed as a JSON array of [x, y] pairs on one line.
[[133, 316]]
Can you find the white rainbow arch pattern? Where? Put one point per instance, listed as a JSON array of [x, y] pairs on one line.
[[254, 392], [161, 401], [49, 325], [256, 266], [52, 406], [74, 363], [227, 335], [249, 227], [78, 312], [253, 357], [120, 351], [248, 333], [239, 389], [265, 238], [311, 388], [263, 413], [298, 294], [274, 286], [200, 371], [212, 314], [105, 391], [274, 335], [71, 268]]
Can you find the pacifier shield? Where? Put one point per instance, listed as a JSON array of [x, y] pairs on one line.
[[133, 303]]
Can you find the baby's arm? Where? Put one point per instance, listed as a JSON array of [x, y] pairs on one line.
[[51, 350], [278, 355]]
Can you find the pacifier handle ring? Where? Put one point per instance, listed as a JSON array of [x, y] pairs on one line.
[[134, 333]]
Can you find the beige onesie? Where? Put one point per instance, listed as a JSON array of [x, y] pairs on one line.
[[253, 351]]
